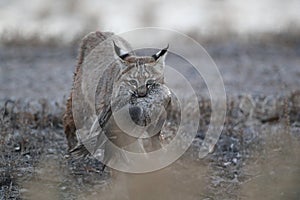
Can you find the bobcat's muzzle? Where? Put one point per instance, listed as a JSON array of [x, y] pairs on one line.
[[142, 91]]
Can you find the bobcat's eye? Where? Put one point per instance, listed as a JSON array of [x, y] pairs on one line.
[[150, 83], [133, 82]]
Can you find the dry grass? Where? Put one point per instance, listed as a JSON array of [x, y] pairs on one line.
[[17, 38], [289, 38]]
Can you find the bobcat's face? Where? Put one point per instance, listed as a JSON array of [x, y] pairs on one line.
[[141, 73]]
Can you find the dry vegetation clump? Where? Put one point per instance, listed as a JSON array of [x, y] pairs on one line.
[[27, 129], [256, 128], [33, 153]]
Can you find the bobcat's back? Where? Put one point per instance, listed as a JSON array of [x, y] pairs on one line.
[[95, 50]]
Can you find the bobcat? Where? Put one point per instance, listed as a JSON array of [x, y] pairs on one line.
[[127, 81]]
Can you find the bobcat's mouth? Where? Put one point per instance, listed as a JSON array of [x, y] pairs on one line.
[[139, 94]]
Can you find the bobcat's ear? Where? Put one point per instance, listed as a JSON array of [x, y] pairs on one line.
[[161, 55], [119, 52]]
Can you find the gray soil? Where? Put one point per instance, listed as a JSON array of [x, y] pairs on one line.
[[256, 157]]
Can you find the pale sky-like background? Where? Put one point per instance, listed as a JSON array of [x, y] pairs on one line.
[[68, 18]]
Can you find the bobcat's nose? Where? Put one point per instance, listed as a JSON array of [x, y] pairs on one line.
[[142, 91]]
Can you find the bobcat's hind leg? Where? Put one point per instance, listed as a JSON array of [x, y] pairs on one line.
[[69, 125]]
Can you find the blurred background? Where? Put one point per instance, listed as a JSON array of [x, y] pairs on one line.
[[249, 41], [70, 18]]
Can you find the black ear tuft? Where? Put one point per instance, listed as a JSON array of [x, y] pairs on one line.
[[160, 53], [118, 51]]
